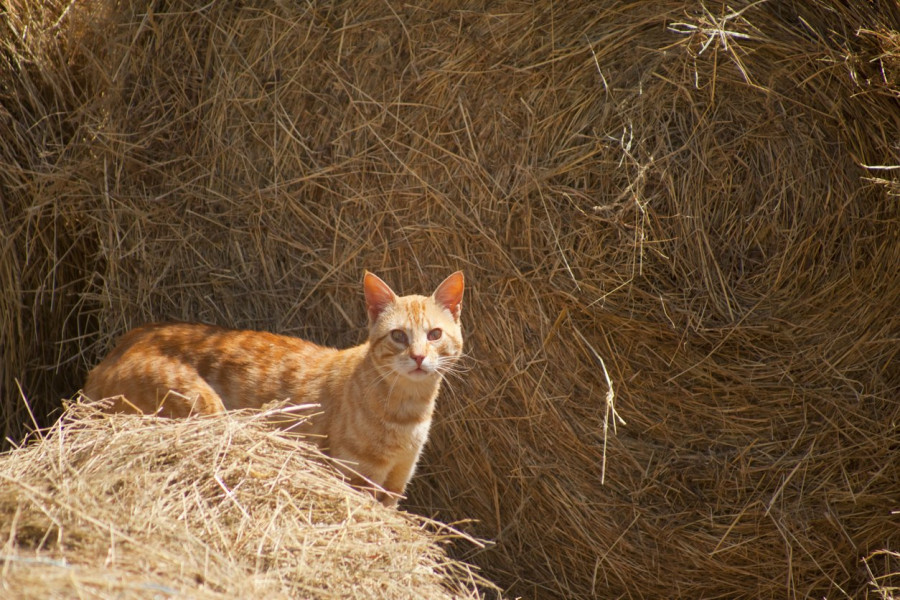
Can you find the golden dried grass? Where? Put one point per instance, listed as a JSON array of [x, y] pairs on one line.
[[883, 568], [128, 507], [701, 195]]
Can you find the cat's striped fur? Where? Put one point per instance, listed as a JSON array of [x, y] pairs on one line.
[[375, 400]]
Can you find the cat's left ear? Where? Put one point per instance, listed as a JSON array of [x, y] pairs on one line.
[[449, 294], [379, 296]]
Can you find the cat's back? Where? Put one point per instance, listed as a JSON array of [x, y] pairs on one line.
[[209, 368]]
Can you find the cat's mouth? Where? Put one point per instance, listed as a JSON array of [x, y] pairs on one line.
[[419, 372]]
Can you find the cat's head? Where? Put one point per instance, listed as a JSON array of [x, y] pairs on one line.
[[416, 337]]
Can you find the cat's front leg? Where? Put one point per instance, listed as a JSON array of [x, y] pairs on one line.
[[397, 478], [363, 475], [388, 499]]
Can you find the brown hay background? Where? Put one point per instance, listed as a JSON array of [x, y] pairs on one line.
[[685, 189]]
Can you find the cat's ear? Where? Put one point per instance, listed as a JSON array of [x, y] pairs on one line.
[[379, 296], [449, 294]]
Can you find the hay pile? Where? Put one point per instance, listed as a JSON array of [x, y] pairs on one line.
[[130, 507], [701, 195]]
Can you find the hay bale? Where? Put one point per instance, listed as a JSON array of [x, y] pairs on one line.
[[129, 507], [704, 196]]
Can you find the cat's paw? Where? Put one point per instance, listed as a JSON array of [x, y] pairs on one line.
[[388, 499]]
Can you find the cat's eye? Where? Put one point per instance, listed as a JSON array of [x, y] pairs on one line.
[[399, 337], [435, 334]]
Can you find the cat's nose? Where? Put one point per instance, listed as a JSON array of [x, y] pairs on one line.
[[417, 358]]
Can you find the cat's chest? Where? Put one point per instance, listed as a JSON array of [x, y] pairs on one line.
[[406, 437]]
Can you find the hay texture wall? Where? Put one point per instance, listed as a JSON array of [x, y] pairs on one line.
[[698, 199]]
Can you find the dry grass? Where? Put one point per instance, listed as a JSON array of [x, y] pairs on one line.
[[701, 195], [128, 507], [883, 568]]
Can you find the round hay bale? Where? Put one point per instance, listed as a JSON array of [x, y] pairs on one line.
[[699, 200], [127, 507]]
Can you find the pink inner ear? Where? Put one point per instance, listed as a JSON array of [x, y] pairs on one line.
[[450, 293], [379, 295]]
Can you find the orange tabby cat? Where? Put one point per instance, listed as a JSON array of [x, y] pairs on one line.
[[375, 400]]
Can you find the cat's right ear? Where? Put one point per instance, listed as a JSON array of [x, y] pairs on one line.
[[379, 296]]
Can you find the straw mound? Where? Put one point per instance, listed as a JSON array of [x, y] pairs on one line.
[[129, 507], [704, 196]]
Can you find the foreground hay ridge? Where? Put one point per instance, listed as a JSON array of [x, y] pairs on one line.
[[129, 507]]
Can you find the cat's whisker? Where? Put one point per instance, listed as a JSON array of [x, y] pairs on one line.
[[450, 375], [382, 377], [455, 366]]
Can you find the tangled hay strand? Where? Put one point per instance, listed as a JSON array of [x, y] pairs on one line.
[[883, 567], [702, 195], [127, 507]]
